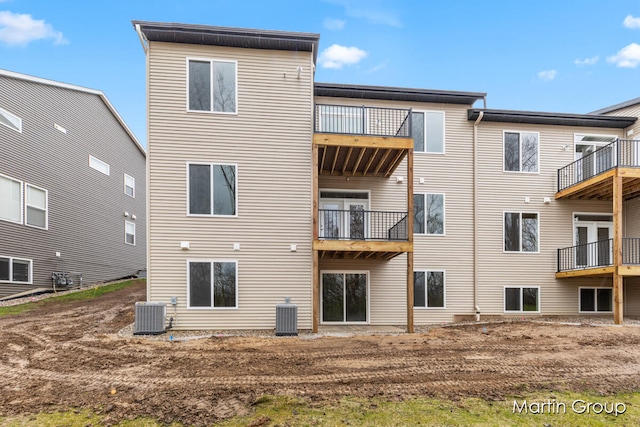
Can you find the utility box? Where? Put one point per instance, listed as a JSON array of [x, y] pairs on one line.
[[286, 319], [149, 318]]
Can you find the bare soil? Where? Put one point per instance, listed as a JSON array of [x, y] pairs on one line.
[[67, 356]]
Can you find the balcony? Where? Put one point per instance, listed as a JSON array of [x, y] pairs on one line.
[[591, 177], [355, 234], [596, 259], [360, 140]]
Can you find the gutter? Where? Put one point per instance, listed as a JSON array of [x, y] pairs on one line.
[[475, 214], [142, 39]]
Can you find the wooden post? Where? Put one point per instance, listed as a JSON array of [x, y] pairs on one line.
[[410, 237], [315, 263], [618, 303]]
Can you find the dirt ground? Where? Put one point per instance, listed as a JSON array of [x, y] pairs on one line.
[[70, 356]]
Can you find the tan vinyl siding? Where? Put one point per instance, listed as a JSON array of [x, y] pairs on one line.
[[633, 131], [270, 142], [632, 218]]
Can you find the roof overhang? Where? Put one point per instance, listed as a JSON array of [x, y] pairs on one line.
[[387, 93], [620, 106], [228, 36], [558, 119]]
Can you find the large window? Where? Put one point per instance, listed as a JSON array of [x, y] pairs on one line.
[[427, 129], [429, 289], [10, 199], [129, 233], [521, 152], [212, 85], [212, 189], [129, 185], [523, 299], [521, 232], [344, 296], [10, 120], [213, 284], [596, 300], [99, 165], [36, 207], [428, 214], [15, 270]]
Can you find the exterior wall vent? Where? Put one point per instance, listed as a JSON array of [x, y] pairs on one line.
[[149, 318], [286, 319]]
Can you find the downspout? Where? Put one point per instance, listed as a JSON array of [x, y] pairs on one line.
[[142, 39], [475, 214]]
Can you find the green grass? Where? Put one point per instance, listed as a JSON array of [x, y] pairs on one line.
[[66, 298], [283, 411]]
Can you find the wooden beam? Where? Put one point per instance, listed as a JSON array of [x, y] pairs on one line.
[[324, 154], [618, 202], [629, 172], [395, 163], [361, 246], [346, 160], [315, 264], [587, 272], [629, 270], [316, 292], [576, 188], [342, 140], [335, 160], [410, 301], [384, 158], [360, 155], [373, 157]]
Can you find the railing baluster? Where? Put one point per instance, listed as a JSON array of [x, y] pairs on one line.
[[362, 225], [362, 120]]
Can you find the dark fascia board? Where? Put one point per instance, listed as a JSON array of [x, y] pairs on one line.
[[619, 106], [229, 36], [387, 93], [558, 119]]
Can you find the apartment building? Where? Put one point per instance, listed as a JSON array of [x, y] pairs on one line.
[[372, 205]]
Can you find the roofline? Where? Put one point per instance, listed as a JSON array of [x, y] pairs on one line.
[[40, 80], [558, 119], [390, 93], [234, 37], [619, 106]]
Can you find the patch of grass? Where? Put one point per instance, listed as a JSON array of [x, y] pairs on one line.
[[74, 419], [67, 297]]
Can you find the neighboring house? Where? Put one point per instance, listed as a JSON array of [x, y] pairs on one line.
[[265, 185], [72, 186]]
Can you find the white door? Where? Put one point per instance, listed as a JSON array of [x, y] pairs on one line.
[[356, 219], [594, 245], [330, 220]]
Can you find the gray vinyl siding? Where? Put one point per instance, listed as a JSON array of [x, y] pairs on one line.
[[269, 140], [85, 207]]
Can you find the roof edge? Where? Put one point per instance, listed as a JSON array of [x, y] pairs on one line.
[[546, 118], [616, 107]]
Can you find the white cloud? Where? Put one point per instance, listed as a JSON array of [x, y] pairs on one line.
[[631, 22], [332, 24], [547, 75], [336, 56], [20, 29], [374, 11], [587, 61], [627, 57]]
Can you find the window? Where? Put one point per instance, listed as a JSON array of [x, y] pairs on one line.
[[129, 185], [11, 199], [213, 284], [428, 289], [520, 232], [15, 270], [427, 129], [521, 299], [129, 233], [99, 165], [596, 300], [212, 86], [10, 120], [428, 214], [521, 152], [212, 189], [36, 207]]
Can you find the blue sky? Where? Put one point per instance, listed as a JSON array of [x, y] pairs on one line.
[[547, 55]]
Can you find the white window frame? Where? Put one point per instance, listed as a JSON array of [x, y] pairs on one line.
[[211, 261], [11, 259], [345, 272], [46, 206], [13, 119], [22, 198], [444, 214], [211, 61], [426, 289], [444, 132], [516, 211], [133, 224], [211, 165], [595, 290], [133, 187], [520, 132], [521, 311], [99, 165]]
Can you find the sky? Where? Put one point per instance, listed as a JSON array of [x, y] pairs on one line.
[[572, 56]]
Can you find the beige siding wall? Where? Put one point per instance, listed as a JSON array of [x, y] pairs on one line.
[[270, 141], [632, 218], [633, 131]]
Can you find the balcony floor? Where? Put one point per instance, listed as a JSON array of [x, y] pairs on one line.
[[357, 249], [624, 270], [600, 187]]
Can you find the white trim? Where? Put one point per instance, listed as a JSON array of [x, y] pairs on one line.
[[368, 309], [99, 165], [521, 311], [21, 221], [26, 206], [211, 183], [444, 214], [211, 98], [595, 299], [15, 121], [211, 284], [133, 224], [444, 132], [426, 289], [132, 186], [520, 132], [518, 211], [11, 259]]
